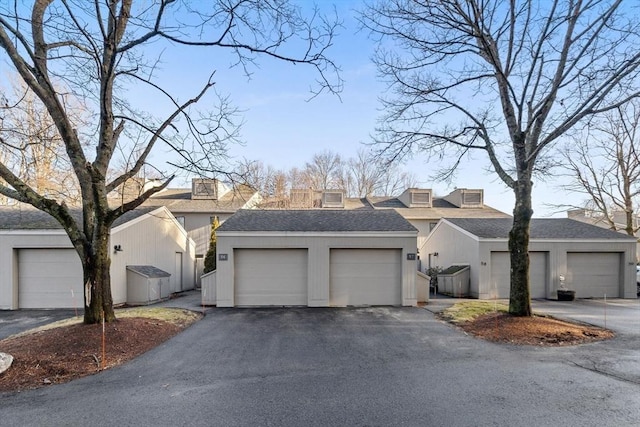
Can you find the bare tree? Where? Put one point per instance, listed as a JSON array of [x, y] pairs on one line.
[[506, 78], [99, 51], [32, 148], [394, 181], [365, 174], [607, 170], [324, 170]]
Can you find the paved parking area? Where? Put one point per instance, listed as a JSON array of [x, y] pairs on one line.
[[367, 366]]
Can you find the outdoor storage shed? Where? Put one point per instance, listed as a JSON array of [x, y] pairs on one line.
[[593, 261], [315, 258], [146, 284]]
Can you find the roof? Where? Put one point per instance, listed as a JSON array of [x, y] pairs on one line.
[[148, 271], [543, 228], [25, 217], [178, 200], [440, 208], [315, 220]]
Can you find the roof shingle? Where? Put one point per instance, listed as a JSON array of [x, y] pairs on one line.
[[541, 228], [317, 221]]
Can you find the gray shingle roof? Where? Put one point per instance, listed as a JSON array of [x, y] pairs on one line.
[[179, 201], [544, 228], [24, 217], [148, 271], [317, 221]]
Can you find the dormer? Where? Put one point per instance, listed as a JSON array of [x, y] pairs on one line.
[[207, 189], [416, 197], [333, 199], [466, 198]]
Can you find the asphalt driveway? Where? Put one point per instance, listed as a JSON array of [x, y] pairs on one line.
[[369, 366]]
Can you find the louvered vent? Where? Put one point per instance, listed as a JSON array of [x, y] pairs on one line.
[[204, 189], [421, 198], [472, 198], [332, 199]]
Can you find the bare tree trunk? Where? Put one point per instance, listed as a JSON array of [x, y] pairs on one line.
[[98, 302], [519, 298]]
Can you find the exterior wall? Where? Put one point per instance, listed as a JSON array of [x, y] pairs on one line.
[[319, 246], [11, 241], [453, 247], [424, 229], [558, 261], [152, 239], [198, 225]]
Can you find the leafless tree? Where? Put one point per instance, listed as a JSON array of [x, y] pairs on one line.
[[607, 169], [324, 170], [31, 146], [100, 50], [364, 173], [505, 78]]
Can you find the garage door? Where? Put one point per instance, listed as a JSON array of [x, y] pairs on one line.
[[365, 277], [49, 278], [500, 285], [270, 277], [594, 274]]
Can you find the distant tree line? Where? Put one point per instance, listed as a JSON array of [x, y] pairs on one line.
[[359, 176]]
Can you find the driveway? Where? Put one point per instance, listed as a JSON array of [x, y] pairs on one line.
[[368, 366], [15, 321]]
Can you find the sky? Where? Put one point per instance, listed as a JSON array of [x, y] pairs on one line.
[[283, 128]]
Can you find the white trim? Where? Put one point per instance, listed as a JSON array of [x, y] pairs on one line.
[[316, 234], [565, 240], [44, 231]]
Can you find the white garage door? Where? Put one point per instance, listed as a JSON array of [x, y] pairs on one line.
[[365, 277], [270, 277], [49, 278], [500, 285], [594, 274]]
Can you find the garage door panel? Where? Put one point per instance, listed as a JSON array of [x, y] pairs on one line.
[[500, 286], [365, 277], [270, 277], [594, 274], [49, 278]]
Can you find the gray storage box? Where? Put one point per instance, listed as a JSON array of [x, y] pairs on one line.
[[455, 281], [146, 284]]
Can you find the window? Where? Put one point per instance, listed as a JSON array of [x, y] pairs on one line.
[[333, 198], [422, 198], [472, 198], [180, 220], [432, 225]]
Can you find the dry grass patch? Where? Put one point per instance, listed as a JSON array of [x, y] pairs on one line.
[[491, 321]]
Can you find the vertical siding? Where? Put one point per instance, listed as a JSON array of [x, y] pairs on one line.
[[152, 241], [319, 248], [453, 247]]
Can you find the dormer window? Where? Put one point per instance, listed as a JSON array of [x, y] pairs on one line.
[[421, 198], [204, 189], [466, 198], [416, 197], [472, 198], [332, 199]]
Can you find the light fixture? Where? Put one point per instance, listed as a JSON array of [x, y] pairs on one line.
[[117, 248]]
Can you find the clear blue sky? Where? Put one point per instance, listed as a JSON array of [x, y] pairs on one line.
[[283, 129]]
